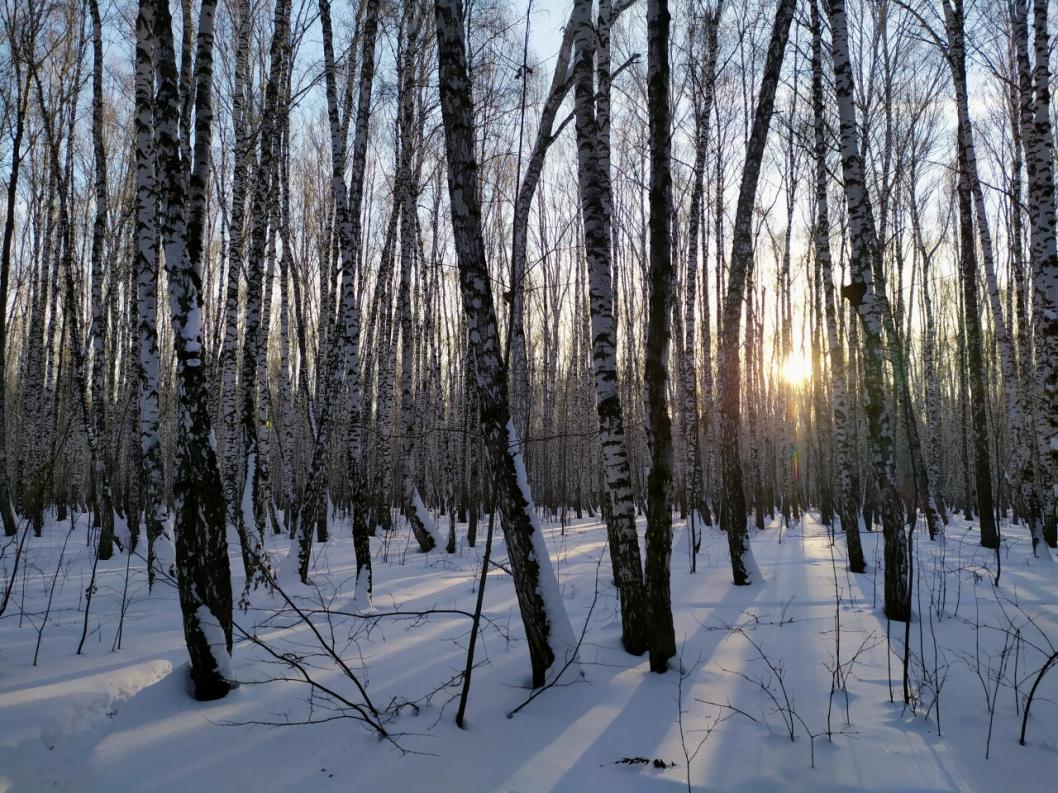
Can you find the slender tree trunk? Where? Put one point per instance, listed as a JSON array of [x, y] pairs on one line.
[[968, 185], [662, 637], [843, 439], [422, 523], [7, 514], [250, 518], [343, 363], [1043, 216], [100, 476], [146, 270], [733, 505], [863, 295], [203, 571], [594, 189], [548, 632], [695, 421], [240, 183]]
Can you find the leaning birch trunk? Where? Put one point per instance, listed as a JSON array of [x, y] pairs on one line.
[[548, 632], [846, 501], [203, 572], [545, 136], [733, 498], [862, 294], [594, 186], [146, 269], [561, 82]]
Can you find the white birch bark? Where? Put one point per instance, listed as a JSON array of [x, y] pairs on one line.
[[146, 271], [203, 572], [863, 295], [549, 634], [846, 501], [594, 178]]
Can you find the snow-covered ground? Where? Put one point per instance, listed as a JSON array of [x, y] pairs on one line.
[[120, 719]]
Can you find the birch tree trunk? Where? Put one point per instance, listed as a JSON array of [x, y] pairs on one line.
[[843, 444], [343, 363], [146, 273], [594, 178], [249, 519], [100, 476], [929, 352], [240, 183], [1043, 217], [423, 526], [7, 514], [203, 571], [863, 296], [733, 503], [548, 632], [696, 422], [662, 636], [969, 192]]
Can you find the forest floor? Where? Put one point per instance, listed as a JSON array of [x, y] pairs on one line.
[[756, 663]]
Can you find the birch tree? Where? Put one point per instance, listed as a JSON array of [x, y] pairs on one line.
[[549, 634], [733, 498], [594, 177], [662, 636], [844, 448], [146, 270], [203, 572], [863, 297]]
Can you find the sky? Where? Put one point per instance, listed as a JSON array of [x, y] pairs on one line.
[[546, 20]]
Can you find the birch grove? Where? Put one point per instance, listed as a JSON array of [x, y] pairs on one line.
[[315, 270]]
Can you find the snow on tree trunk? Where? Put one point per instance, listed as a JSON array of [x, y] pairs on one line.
[[250, 519], [548, 632], [422, 523], [203, 572]]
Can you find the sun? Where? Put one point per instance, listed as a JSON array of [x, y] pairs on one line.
[[797, 368]]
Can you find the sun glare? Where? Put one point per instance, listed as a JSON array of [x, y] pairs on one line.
[[797, 368]]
